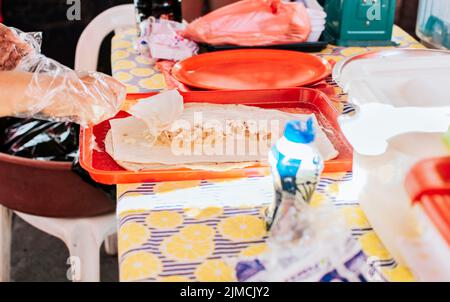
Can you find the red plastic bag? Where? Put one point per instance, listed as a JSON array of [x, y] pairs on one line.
[[252, 23]]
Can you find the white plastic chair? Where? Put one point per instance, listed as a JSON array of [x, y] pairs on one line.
[[84, 236], [88, 46]]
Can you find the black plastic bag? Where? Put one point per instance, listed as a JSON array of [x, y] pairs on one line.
[[46, 140], [39, 139]]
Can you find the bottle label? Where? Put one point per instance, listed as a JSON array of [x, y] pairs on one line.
[[294, 184]]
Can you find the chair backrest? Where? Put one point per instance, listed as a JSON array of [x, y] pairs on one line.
[[88, 47]]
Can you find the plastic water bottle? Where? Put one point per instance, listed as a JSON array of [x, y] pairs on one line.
[[296, 167]]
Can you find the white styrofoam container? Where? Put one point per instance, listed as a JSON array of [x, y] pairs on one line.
[[402, 111], [395, 95]]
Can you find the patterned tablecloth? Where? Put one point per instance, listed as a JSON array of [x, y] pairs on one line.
[[188, 231]]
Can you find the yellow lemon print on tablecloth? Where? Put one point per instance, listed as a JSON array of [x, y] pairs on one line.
[[210, 212], [339, 105], [122, 76], [355, 217], [131, 32], [119, 36], [132, 89], [372, 246], [119, 55], [203, 214], [164, 187], [129, 213], [215, 271], [139, 266], [416, 46], [242, 228], [119, 43], [132, 234], [164, 220], [142, 72], [197, 232], [318, 199], [255, 250], [328, 50], [180, 249], [333, 188], [143, 60], [175, 279], [157, 81], [397, 274], [351, 51], [377, 48], [333, 58], [124, 65], [121, 189]]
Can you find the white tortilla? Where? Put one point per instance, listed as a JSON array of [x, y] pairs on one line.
[[159, 111], [133, 140], [131, 145], [215, 167]]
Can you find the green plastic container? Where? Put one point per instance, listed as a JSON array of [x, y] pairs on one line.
[[360, 22]]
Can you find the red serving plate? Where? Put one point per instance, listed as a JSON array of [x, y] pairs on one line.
[[251, 69], [104, 169], [428, 184]]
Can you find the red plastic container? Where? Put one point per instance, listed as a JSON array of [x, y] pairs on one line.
[[428, 184], [104, 169]]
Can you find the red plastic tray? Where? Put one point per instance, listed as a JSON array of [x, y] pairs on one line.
[[104, 169], [428, 183]]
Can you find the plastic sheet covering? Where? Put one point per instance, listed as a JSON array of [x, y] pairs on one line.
[[56, 92], [15, 45], [252, 23]]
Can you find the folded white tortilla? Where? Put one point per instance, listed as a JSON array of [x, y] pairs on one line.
[[214, 167], [159, 111]]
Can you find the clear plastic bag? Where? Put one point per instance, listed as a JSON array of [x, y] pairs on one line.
[[15, 45], [319, 248], [59, 93], [53, 91], [252, 23]]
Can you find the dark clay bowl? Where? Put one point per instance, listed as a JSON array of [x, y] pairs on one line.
[[49, 189]]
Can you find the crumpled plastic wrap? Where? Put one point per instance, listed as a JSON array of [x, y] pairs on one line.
[[319, 248], [252, 23], [161, 39], [60, 94], [15, 45], [56, 92]]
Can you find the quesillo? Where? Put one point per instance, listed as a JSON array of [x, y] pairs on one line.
[[164, 133]]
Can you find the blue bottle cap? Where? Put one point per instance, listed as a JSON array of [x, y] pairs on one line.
[[300, 132]]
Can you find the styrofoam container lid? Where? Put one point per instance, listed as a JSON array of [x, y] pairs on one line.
[[394, 95]]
